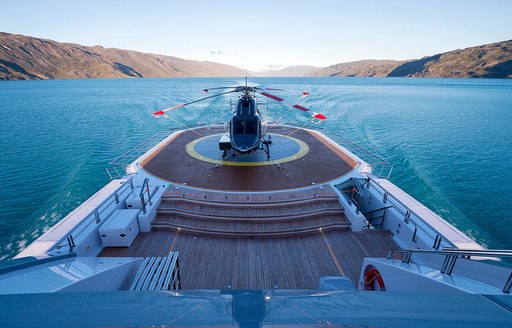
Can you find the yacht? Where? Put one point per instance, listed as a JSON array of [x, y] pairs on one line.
[[315, 236]]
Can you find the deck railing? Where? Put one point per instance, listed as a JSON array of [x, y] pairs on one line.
[[409, 215], [380, 167], [120, 165], [96, 216], [352, 190], [143, 192], [451, 256]]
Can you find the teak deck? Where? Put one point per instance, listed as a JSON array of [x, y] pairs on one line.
[[287, 235], [322, 163], [262, 263]]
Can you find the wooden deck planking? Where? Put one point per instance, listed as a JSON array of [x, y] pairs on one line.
[[252, 225], [319, 165], [249, 211], [261, 263]]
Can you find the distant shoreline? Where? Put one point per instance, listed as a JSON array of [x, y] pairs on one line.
[[27, 58]]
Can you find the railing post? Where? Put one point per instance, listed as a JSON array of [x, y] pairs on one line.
[[145, 188], [407, 257], [385, 198], [131, 184], [351, 199], [407, 216], [97, 216], [437, 242], [445, 263], [508, 284], [71, 243], [143, 204], [116, 197], [452, 264], [149, 192]]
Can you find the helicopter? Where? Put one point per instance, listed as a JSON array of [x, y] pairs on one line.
[[247, 134]]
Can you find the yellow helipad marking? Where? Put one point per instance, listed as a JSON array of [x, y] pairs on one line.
[[191, 150]]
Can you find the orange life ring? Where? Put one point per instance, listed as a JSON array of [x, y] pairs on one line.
[[371, 274]]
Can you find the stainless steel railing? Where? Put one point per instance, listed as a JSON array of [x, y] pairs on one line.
[[410, 216], [380, 166], [121, 163], [145, 190], [94, 217], [451, 256]]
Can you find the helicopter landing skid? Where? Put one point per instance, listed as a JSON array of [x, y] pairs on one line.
[[265, 145]]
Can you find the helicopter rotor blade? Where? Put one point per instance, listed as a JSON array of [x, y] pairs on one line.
[[270, 89], [286, 90], [163, 111], [315, 115], [207, 90]]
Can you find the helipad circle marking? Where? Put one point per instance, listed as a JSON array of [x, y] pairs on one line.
[[303, 150]]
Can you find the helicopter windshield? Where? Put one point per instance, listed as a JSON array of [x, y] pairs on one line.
[[245, 125], [250, 127], [238, 126]]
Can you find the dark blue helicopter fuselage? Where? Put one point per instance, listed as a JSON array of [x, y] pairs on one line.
[[245, 126]]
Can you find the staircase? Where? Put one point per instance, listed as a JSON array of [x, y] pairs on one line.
[[257, 215]]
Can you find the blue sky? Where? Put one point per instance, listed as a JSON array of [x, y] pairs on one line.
[[259, 34]]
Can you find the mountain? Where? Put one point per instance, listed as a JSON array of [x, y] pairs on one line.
[[492, 60], [369, 67], [288, 71], [27, 58]]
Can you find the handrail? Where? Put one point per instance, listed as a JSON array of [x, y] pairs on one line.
[[117, 160], [465, 252], [379, 209], [147, 142], [480, 251], [27, 262], [95, 213], [359, 187], [145, 189], [408, 212], [451, 256], [123, 161], [368, 156], [359, 190]]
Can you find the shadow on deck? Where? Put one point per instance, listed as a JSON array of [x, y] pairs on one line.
[[295, 262]]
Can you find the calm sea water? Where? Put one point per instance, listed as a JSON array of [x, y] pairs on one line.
[[450, 141]]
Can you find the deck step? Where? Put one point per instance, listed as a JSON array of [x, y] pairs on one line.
[[257, 204], [254, 233], [248, 216], [158, 273], [260, 214], [324, 191], [251, 228], [248, 211]]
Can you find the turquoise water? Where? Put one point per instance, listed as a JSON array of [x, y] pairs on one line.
[[450, 140]]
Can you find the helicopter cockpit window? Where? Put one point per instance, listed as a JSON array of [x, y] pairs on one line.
[[245, 108], [251, 126], [239, 126]]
